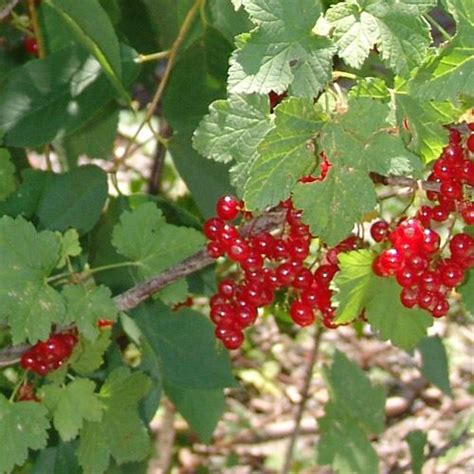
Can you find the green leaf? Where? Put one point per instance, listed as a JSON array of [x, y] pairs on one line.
[[88, 356], [26, 199], [355, 410], [185, 343], [66, 199], [232, 131], [282, 52], [23, 426], [121, 434], [467, 292], [97, 36], [7, 175], [360, 288], [57, 460], [285, 154], [146, 239], [96, 138], [425, 123], [86, 306], [451, 72], [416, 442], [401, 35], [356, 143], [202, 409], [346, 193], [71, 406], [69, 246], [227, 20], [27, 257], [68, 87], [435, 363]]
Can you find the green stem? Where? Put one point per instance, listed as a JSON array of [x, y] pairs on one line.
[[91, 271], [443, 32], [347, 75], [143, 58]]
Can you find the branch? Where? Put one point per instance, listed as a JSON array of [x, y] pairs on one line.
[[6, 10]]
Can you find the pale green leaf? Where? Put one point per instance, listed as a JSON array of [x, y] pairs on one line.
[[86, 306], [286, 153], [69, 246], [88, 356], [121, 434], [23, 426], [416, 442], [282, 52], [232, 131], [71, 405], [144, 237], [27, 257], [7, 174]]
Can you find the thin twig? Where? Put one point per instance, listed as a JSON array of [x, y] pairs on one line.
[[302, 405], [173, 52]]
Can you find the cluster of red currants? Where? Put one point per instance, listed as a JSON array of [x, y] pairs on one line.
[[453, 171], [415, 257], [268, 264], [46, 356]]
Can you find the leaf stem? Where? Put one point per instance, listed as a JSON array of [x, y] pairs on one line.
[[347, 75], [436, 24], [143, 58]]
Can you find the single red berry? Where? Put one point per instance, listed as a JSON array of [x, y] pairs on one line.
[[238, 250], [379, 230], [324, 274], [298, 248], [301, 313], [430, 280], [462, 246], [213, 228], [451, 274], [470, 143], [467, 212], [418, 263], [280, 249], [407, 277], [245, 313], [222, 312], [31, 46], [451, 189], [104, 323], [227, 288], [303, 279], [409, 297], [453, 151], [440, 214], [441, 308], [424, 215], [233, 340], [431, 241], [427, 299], [228, 207], [391, 260], [253, 262], [214, 249], [285, 274], [263, 243]]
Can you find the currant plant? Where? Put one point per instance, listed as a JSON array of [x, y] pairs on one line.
[[312, 165]]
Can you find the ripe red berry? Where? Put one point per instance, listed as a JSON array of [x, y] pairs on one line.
[[409, 297], [379, 230], [213, 228], [301, 313], [470, 143], [31, 46], [451, 274], [228, 207]]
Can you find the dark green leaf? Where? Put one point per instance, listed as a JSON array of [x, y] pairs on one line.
[[416, 441], [435, 363], [66, 199]]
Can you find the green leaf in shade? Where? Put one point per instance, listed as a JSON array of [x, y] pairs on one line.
[[227, 20], [57, 460], [202, 67], [359, 288], [185, 343], [282, 52], [146, 239], [23, 426], [66, 199], [399, 32], [356, 142], [232, 131], [416, 442], [88, 356], [97, 36], [71, 405], [68, 87], [7, 175], [285, 154], [451, 72], [434, 366], [69, 246], [355, 410], [95, 139], [26, 199], [121, 434], [86, 306], [202, 409], [27, 257], [467, 292]]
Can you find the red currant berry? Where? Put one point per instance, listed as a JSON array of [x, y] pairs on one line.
[[227, 288], [409, 297], [407, 277], [303, 279], [324, 274], [245, 313], [441, 308], [213, 228], [301, 313], [227, 207], [379, 230], [431, 241], [233, 340], [467, 212], [470, 143], [31, 46], [238, 250], [214, 249], [451, 274]]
